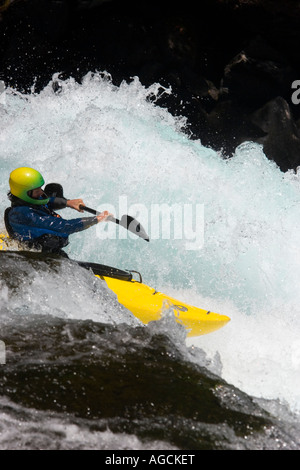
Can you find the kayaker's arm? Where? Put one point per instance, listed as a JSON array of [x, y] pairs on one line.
[[30, 223], [77, 204], [57, 203]]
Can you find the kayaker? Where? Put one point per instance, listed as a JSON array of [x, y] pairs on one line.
[[31, 218]]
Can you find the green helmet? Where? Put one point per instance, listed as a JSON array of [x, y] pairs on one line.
[[24, 179]]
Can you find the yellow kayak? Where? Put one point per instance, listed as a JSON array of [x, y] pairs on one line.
[[147, 305], [144, 302]]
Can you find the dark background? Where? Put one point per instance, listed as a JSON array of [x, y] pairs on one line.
[[231, 63]]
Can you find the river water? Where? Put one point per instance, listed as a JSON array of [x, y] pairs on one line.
[[78, 370]]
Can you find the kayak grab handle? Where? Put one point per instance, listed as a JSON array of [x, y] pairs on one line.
[[139, 274]]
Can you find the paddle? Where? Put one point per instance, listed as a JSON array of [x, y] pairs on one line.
[[128, 222]]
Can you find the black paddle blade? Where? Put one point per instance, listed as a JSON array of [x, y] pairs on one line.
[[54, 190], [134, 226]]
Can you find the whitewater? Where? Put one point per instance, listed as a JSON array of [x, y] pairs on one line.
[[106, 144]]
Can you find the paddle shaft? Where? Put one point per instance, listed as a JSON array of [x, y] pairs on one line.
[[93, 211]]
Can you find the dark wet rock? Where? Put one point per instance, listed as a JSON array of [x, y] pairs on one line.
[[257, 75], [281, 142]]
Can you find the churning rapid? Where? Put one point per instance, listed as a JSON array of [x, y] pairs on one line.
[[236, 252]]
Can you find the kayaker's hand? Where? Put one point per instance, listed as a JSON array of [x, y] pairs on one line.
[[103, 216], [75, 204]]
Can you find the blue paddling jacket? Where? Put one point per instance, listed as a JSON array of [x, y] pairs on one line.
[[39, 225]]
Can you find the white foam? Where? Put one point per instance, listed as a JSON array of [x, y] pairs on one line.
[[102, 141]]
